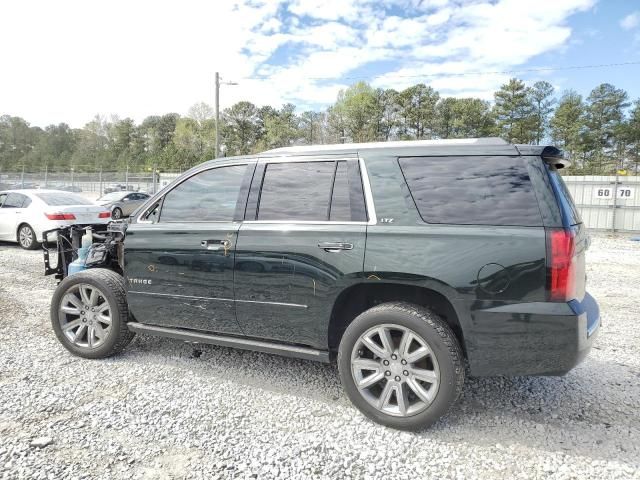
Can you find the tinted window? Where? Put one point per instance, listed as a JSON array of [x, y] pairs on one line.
[[14, 200], [340, 202], [208, 196], [59, 199], [3, 197], [296, 191], [472, 190]]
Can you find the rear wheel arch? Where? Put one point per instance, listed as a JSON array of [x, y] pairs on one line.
[[358, 298]]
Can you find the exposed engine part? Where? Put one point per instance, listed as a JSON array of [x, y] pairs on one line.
[[106, 251]]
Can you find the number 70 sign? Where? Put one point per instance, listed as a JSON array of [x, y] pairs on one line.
[[607, 192]]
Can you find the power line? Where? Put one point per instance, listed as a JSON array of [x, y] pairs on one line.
[[466, 74]]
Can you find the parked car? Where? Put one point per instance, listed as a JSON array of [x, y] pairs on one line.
[[71, 188], [120, 188], [25, 214], [122, 204], [401, 261]]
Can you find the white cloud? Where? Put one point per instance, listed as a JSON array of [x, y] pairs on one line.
[[76, 58], [631, 21]]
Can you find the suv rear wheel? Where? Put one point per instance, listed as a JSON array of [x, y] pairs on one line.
[[89, 313], [401, 365]]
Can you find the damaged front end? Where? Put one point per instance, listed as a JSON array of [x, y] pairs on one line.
[[106, 249]]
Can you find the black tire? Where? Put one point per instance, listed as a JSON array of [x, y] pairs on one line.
[[112, 287], [28, 232], [116, 213], [440, 339]]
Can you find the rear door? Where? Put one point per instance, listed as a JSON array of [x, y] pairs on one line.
[[179, 257], [302, 242]]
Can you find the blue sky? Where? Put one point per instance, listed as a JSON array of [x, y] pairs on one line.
[[76, 59]]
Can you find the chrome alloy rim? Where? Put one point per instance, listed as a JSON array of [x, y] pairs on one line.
[[85, 316], [395, 370], [26, 237]]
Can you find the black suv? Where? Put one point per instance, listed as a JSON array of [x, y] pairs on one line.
[[401, 261]]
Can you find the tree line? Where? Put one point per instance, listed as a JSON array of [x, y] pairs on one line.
[[599, 133]]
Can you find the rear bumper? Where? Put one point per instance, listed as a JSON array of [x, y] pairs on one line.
[[540, 338]]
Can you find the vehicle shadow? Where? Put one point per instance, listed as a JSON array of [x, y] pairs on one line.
[[582, 413]]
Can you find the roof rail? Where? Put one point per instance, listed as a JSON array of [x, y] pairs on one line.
[[393, 144]]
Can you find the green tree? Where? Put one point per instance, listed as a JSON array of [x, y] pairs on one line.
[[310, 127], [240, 129], [632, 139], [473, 118], [281, 127], [418, 111], [514, 112], [446, 113], [604, 121], [541, 98], [567, 124]]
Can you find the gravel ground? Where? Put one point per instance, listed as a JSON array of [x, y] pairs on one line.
[[164, 410]]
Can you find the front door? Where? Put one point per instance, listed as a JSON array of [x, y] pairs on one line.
[[301, 244], [179, 266]]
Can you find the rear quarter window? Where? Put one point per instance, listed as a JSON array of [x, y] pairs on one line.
[[472, 190]]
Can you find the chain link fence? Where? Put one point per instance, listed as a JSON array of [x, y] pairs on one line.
[[605, 202], [91, 184]]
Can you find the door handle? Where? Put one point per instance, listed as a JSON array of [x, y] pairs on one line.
[[215, 244], [334, 247]]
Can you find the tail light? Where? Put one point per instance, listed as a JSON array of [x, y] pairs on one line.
[[104, 215], [561, 266], [60, 216]]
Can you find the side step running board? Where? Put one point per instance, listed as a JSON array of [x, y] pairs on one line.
[[224, 341]]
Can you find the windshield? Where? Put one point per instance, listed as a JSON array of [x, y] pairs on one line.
[[60, 199], [112, 196]]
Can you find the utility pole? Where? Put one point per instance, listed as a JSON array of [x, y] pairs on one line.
[[217, 114], [217, 98]]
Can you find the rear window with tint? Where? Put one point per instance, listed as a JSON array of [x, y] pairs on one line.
[[60, 199], [472, 190]]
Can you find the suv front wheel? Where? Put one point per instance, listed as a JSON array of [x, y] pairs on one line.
[[401, 365], [89, 313]]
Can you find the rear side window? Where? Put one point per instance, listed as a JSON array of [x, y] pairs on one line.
[[312, 191], [472, 190], [15, 200], [60, 199], [296, 191], [208, 196]]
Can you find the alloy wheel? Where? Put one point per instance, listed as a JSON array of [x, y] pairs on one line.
[[85, 316], [116, 214], [395, 370], [25, 237]]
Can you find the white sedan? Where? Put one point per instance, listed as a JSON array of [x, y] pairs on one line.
[[25, 214]]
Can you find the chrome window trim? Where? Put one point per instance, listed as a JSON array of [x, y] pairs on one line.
[[368, 195]]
